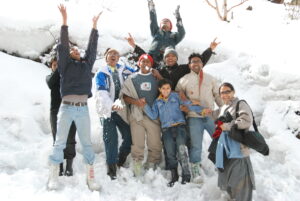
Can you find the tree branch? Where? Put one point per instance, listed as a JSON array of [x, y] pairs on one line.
[[243, 1]]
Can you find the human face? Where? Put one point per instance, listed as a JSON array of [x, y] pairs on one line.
[[170, 59], [74, 53], [196, 64], [226, 94], [166, 25], [112, 58], [165, 90], [54, 65], [145, 65]]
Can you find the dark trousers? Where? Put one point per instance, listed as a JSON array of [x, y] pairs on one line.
[[69, 151], [110, 137]]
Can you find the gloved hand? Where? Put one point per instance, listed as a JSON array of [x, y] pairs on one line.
[[151, 5], [177, 14]]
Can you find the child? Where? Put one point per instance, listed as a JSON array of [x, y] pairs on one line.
[[167, 108]]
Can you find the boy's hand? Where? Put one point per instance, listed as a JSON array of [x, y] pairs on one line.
[[177, 14], [214, 44], [95, 20], [130, 40], [63, 11], [151, 5]]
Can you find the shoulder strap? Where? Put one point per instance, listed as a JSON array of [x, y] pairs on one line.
[[237, 115]]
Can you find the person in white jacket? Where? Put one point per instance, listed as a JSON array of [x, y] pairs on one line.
[[109, 80]]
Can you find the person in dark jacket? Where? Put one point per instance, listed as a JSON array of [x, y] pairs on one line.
[[171, 69], [75, 89], [162, 35], [53, 82]]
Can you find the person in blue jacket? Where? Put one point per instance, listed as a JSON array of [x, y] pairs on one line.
[[109, 81], [167, 108]]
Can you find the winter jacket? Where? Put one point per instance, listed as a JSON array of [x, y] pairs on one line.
[[244, 121], [168, 111], [163, 39], [53, 81], [175, 72], [76, 76], [105, 94], [208, 93]]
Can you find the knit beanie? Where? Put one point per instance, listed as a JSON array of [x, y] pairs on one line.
[[166, 19], [170, 50], [146, 56]]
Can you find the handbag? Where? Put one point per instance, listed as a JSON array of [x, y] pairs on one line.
[[252, 139]]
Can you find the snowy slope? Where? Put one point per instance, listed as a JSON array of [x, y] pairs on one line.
[[258, 53]]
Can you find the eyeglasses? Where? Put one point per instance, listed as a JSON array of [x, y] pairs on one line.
[[196, 62], [225, 92], [113, 54]]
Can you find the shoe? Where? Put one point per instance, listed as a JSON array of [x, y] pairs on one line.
[[186, 179], [112, 171], [137, 168], [69, 169], [148, 166], [174, 177], [195, 167], [61, 169], [53, 177], [122, 158], [93, 186]]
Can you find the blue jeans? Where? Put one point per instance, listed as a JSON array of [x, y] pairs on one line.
[[80, 115], [196, 130], [173, 138], [110, 137]]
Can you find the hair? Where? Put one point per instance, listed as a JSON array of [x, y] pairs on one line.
[[164, 82], [227, 84], [195, 55], [49, 64]]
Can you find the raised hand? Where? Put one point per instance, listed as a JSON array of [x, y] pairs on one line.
[[63, 11], [214, 44], [130, 40], [95, 20], [151, 5], [177, 14]]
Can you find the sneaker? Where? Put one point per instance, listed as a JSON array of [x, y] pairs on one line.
[[53, 177], [148, 166], [93, 186], [137, 168], [112, 171], [195, 168]]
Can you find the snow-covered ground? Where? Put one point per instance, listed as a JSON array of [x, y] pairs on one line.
[[259, 54]]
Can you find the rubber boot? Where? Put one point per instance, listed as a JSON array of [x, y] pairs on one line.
[[174, 177]]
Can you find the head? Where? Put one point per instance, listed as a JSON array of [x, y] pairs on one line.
[[226, 92], [53, 64], [195, 62], [111, 56], [170, 56], [145, 63], [165, 87], [74, 53], [166, 24]]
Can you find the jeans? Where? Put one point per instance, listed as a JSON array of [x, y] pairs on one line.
[[196, 130], [80, 115], [69, 151], [110, 137], [173, 138]]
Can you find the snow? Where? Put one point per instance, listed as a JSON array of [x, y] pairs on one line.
[[259, 54]]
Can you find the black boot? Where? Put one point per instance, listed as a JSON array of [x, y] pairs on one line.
[[174, 174], [112, 171], [61, 169], [69, 169], [186, 179], [122, 158]]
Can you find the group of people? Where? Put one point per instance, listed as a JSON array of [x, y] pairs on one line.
[[161, 103]]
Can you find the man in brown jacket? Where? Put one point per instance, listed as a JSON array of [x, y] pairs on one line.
[[203, 88]]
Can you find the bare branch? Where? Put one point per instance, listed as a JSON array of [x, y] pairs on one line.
[[208, 2], [243, 1]]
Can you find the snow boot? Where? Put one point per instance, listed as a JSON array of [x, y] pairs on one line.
[[61, 169], [137, 168], [53, 177], [186, 179], [122, 158], [93, 186], [195, 167], [69, 169], [112, 171], [174, 177]]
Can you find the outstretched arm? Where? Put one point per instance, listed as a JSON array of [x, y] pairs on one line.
[[181, 31], [153, 18], [63, 46], [138, 51], [63, 11], [209, 51]]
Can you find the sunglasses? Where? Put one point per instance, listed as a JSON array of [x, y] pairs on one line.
[[225, 92]]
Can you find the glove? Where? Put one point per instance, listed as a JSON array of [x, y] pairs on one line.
[[151, 5], [218, 130], [177, 14]]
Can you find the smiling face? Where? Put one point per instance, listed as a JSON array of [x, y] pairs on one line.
[[165, 90], [165, 25], [145, 65], [227, 94], [74, 53], [196, 64], [112, 58], [170, 59]]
